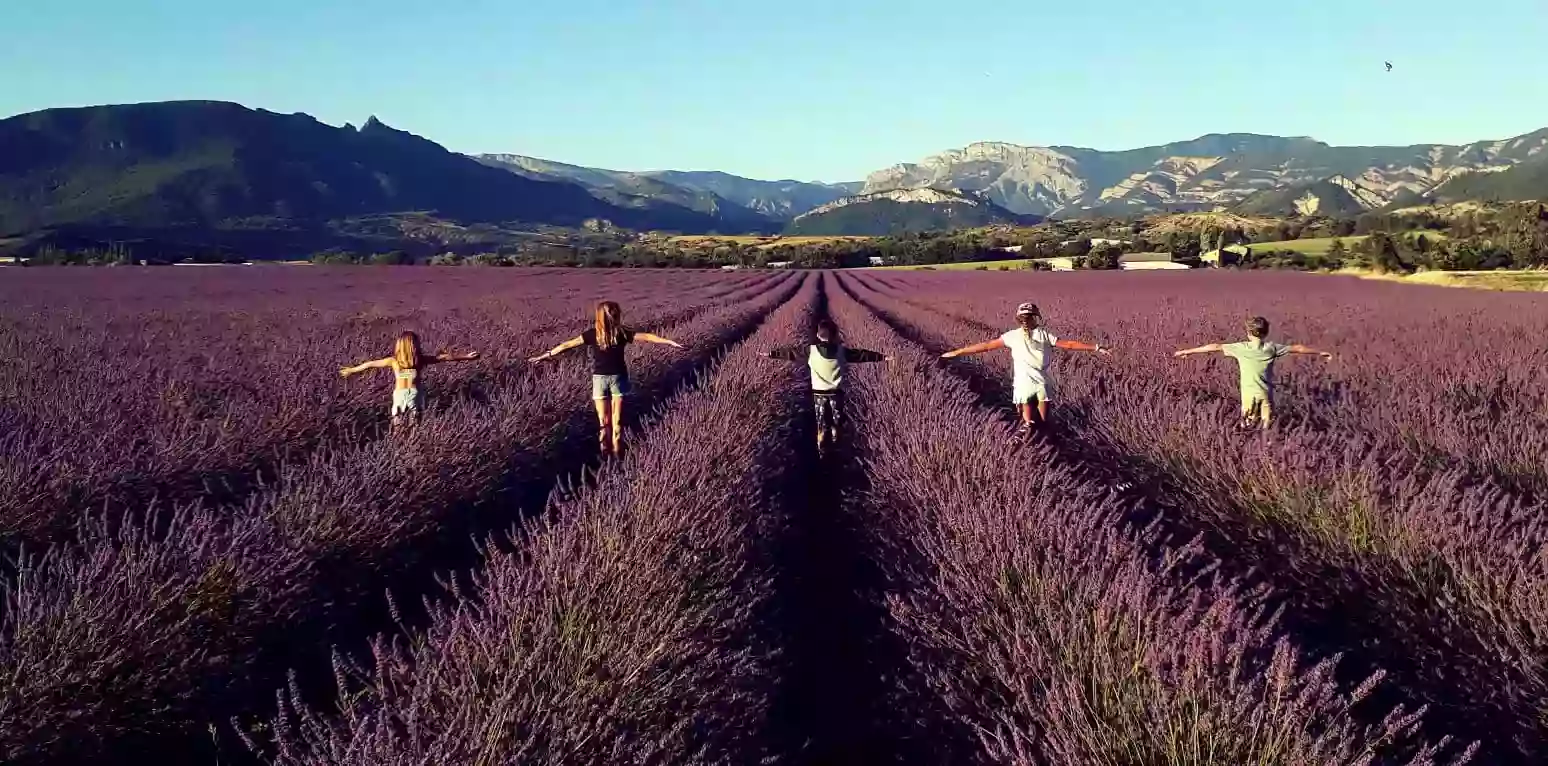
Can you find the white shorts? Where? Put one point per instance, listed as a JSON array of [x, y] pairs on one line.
[[1025, 391], [405, 401]]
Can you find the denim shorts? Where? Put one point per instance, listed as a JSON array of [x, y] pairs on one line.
[[609, 386]]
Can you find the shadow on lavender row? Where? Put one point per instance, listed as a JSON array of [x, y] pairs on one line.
[[832, 705], [1372, 621]]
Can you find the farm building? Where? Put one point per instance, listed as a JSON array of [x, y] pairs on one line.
[[1129, 262], [1149, 262]]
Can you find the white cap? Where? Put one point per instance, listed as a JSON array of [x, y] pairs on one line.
[[1026, 308]]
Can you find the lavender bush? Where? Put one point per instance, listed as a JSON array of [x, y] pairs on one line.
[[1060, 636], [130, 387], [167, 644], [621, 628], [1433, 576], [198, 509]]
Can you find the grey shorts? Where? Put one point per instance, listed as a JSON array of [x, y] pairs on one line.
[[609, 386]]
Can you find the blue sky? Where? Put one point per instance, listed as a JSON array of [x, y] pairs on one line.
[[809, 89]]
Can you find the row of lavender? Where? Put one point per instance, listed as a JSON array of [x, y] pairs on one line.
[[622, 627], [126, 387], [1041, 629], [130, 633], [1431, 571], [1449, 373]]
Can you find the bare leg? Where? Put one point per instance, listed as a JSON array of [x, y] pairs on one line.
[[617, 423], [1250, 411], [1042, 410], [1026, 413], [1267, 411], [603, 422]]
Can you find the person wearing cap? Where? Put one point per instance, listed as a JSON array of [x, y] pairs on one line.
[[827, 358], [1255, 357], [1029, 344]]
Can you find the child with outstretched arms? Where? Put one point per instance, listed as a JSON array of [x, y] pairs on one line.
[[1255, 357], [827, 357], [1030, 345]]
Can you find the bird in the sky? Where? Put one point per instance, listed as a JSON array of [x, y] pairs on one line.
[[1389, 66]]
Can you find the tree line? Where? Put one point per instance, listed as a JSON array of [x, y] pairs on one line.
[[1514, 236]]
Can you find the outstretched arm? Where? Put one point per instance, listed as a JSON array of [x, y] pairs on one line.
[[559, 349], [976, 348], [654, 338], [1212, 348], [787, 354], [363, 366], [1075, 345], [446, 356], [1300, 349], [862, 356]]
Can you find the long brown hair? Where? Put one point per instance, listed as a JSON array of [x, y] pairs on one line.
[[609, 324], [405, 353]]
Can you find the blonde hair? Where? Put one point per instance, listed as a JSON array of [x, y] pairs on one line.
[[609, 324], [405, 353]]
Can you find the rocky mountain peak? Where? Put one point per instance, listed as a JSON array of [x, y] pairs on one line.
[[1213, 171]]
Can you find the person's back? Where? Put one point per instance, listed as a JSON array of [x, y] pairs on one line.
[[827, 358], [406, 362], [1030, 345], [827, 362], [1255, 358], [607, 337], [1030, 353]]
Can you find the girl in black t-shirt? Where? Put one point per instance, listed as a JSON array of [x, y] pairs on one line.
[[609, 370]]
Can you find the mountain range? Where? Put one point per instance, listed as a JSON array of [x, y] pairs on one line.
[[208, 165], [203, 163], [1211, 172]]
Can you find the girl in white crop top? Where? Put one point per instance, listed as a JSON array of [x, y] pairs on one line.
[[406, 362]]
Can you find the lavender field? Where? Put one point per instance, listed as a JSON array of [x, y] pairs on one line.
[[218, 552]]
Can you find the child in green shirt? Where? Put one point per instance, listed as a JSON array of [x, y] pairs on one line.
[[1255, 356]]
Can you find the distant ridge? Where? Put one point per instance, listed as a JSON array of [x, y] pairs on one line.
[[700, 210], [904, 211]]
